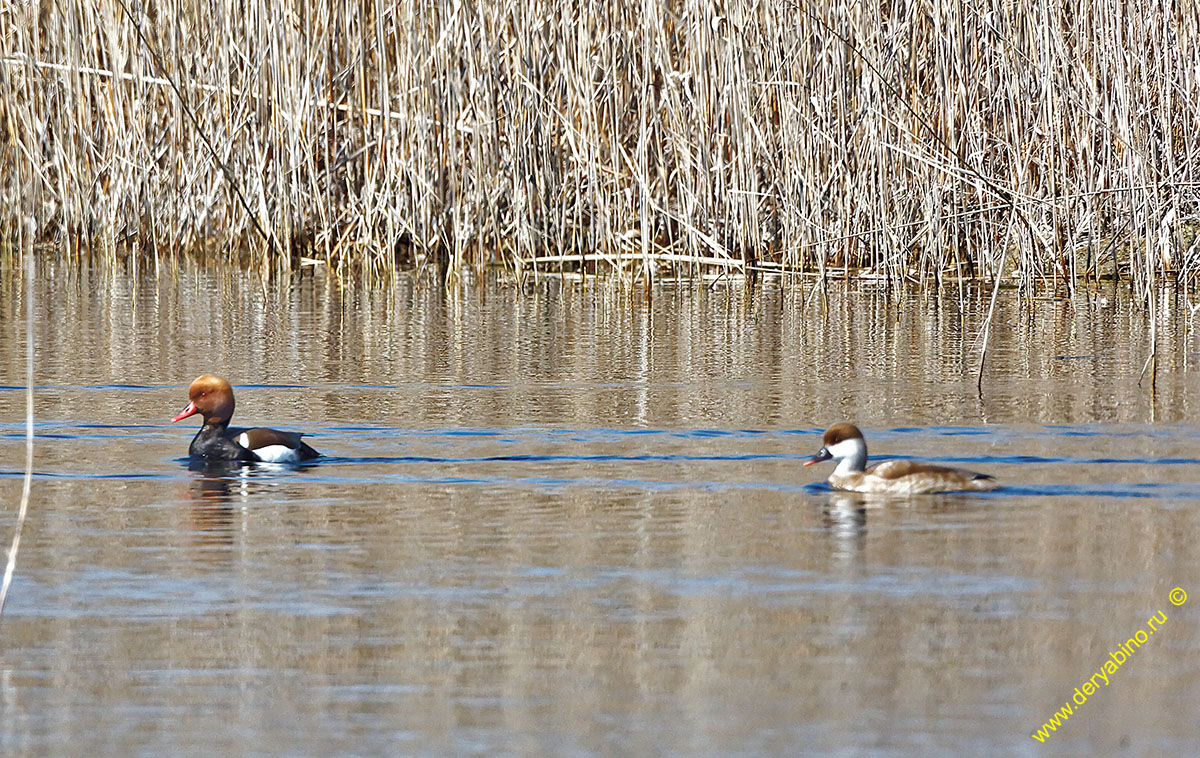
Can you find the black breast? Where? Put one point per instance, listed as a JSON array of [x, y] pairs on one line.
[[213, 443]]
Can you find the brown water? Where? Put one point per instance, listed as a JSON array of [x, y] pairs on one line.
[[573, 521]]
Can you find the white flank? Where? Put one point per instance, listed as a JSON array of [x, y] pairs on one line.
[[276, 453]]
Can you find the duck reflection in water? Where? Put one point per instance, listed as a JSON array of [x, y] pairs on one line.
[[845, 514], [212, 494], [220, 486]]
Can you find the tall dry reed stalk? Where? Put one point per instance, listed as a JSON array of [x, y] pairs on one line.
[[1055, 143]]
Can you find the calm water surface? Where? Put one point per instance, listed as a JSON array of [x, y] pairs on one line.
[[573, 521]]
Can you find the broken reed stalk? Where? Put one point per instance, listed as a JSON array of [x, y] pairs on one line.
[[666, 137]]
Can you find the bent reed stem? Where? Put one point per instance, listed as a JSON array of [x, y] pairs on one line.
[[10, 564]]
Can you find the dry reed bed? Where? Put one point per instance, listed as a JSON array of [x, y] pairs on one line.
[[909, 139]]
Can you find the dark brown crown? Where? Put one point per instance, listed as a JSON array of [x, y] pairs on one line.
[[840, 433]]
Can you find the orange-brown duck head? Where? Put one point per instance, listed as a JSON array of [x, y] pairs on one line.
[[212, 398]]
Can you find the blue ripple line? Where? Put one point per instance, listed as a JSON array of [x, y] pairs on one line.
[[75, 475], [559, 482], [118, 386], [11, 387], [1135, 490], [275, 386], [593, 432], [553, 458], [1019, 459]]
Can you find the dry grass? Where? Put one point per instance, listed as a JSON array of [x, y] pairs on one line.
[[913, 140]]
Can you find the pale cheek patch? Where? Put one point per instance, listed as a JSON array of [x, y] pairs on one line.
[[244, 440], [275, 453], [843, 449]]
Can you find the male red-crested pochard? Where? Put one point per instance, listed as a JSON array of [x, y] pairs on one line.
[[212, 398], [845, 444]]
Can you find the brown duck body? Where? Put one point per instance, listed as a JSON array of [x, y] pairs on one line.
[[845, 444], [212, 398]]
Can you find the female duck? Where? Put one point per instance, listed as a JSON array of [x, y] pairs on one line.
[[844, 443], [212, 398]]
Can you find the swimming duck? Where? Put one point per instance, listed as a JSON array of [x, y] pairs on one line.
[[212, 398], [844, 443]]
